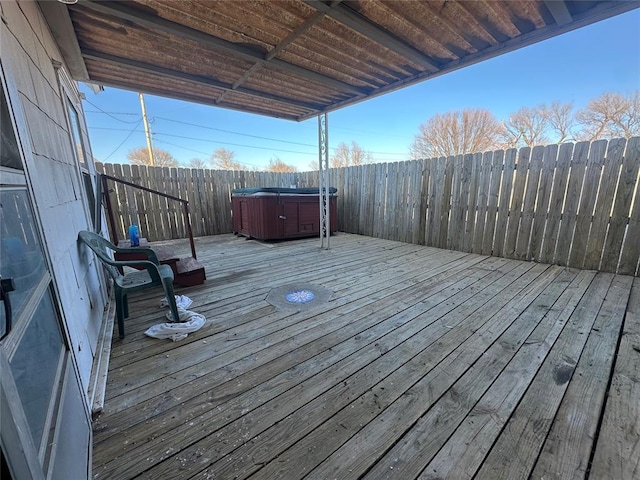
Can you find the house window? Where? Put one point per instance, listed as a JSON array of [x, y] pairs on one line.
[[82, 155], [9, 154], [33, 351], [74, 122]]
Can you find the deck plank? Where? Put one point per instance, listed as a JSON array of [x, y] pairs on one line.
[[528, 425], [567, 448], [332, 387], [382, 429], [526, 339], [421, 360], [617, 454], [359, 403]]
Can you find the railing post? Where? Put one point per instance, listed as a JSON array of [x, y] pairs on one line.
[[185, 206], [112, 221]]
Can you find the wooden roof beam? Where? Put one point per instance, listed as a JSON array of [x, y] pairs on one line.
[[134, 87], [197, 79], [292, 37], [360, 24], [559, 11], [124, 12]]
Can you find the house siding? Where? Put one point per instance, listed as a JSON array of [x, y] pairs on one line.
[[28, 54]]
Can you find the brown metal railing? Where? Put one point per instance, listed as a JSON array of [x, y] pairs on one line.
[[112, 223]]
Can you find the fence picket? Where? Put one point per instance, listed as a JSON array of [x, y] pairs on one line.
[[504, 201], [604, 203], [390, 199], [587, 202], [576, 179], [435, 203], [515, 211], [481, 202], [543, 197], [492, 205], [457, 206], [529, 204], [556, 202], [472, 202], [630, 257], [423, 170], [622, 205]]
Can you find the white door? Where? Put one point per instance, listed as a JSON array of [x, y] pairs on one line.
[[45, 431]]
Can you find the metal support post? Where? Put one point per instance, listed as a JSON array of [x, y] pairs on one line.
[[323, 179]]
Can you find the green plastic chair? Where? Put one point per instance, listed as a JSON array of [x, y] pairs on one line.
[[150, 274]]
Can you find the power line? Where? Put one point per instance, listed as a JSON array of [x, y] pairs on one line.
[[122, 143], [209, 141], [250, 135], [235, 144], [239, 144], [234, 133], [263, 138], [109, 114]]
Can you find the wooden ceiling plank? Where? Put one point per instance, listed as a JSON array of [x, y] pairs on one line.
[[300, 30], [601, 12], [197, 79], [124, 12], [360, 24], [559, 11]]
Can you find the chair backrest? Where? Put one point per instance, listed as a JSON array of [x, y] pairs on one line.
[[101, 246]]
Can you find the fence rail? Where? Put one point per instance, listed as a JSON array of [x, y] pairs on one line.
[[575, 205]]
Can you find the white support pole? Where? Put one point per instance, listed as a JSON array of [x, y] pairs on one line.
[[323, 179]]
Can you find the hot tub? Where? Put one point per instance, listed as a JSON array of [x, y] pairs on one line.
[[280, 213]]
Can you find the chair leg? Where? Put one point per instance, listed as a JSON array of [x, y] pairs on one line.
[[120, 302], [125, 305], [168, 290]]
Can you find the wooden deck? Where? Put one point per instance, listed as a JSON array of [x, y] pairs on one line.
[[425, 363]]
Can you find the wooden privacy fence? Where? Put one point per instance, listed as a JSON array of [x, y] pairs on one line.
[[207, 191], [575, 205]]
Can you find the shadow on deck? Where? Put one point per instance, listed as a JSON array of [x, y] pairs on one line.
[[424, 363]]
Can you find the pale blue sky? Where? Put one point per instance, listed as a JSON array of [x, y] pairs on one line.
[[574, 67]]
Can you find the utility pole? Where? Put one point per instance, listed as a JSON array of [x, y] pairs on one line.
[[146, 130]]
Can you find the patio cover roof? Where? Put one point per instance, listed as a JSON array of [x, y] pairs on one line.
[[295, 59]]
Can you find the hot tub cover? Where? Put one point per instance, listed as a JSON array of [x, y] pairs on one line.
[[289, 191]]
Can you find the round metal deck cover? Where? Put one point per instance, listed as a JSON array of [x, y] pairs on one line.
[[299, 296]]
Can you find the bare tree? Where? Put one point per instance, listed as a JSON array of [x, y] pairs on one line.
[[346, 156], [223, 159], [197, 163], [610, 115], [277, 165], [530, 126], [456, 133], [527, 127], [561, 121], [161, 158]]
